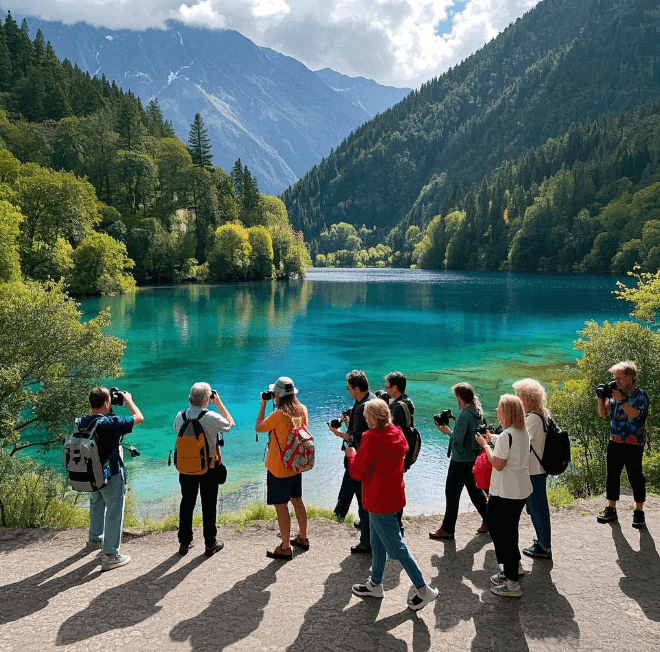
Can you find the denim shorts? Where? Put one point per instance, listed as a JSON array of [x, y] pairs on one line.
[[281, 490]]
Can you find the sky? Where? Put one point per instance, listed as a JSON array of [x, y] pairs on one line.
[[399, 43]]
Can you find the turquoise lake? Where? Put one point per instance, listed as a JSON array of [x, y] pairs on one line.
[[438, 328]]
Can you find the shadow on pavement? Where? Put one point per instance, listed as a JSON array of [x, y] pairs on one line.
[[548, 615], [639, 569], [127, 604], [232, 615], [33, 594], [331, 625]]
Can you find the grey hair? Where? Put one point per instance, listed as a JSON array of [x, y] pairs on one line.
[[534, 394], [199, 393]]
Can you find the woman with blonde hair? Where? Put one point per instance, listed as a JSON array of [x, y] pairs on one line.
[[509, 488], [533, 397], [378, 465]]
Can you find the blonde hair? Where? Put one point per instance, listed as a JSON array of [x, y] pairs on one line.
[[533, 395], [377, 409], [513, 412], [465, 392]]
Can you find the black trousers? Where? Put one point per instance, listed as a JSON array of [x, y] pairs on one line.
[[460, 475], [503, 520], [630, 456], [348, 489], [207, 487]]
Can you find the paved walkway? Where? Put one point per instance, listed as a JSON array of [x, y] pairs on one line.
[[602, 592]]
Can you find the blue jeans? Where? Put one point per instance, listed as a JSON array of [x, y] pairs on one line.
[[106, 512], [386, 538], [537, 508]]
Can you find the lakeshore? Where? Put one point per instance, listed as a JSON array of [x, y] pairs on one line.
[[598, 593]]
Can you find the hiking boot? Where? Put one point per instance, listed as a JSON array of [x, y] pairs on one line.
[[113, 560], [607, 515], [209, 551], [93, 544], [483, 528], [507, 591], [360, 549], [368, 589], [538, 551], [184, 548], [638, 518], [280, 553], [417, 601], [300, 542], [441, 534]]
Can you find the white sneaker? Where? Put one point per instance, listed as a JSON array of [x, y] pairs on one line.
[[368, 589], [113, 560], [417, 601], [507, 591]]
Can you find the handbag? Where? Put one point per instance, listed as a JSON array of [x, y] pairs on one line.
[[482, 471], [217, 469]]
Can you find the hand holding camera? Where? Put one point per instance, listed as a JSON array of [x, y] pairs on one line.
[[604, 390]]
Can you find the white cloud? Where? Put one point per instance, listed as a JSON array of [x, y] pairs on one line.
[[391, 41]]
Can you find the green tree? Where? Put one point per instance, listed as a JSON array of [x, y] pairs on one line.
[[49, 360], [199, 143], [229, 257], [137, 176], [101, 266], [10, 219], [261, 255]]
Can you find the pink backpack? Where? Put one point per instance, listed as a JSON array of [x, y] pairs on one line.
[[298, 452]]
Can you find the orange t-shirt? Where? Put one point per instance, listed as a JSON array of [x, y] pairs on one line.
[[279, 425]]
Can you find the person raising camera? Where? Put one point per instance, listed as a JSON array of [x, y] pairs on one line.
[[464, 452], [627, 407], [283, 485]]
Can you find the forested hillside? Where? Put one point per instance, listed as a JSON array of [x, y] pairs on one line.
[[96, 190], [560, 70]]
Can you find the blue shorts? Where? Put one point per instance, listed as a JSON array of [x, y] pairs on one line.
[[281, 490]]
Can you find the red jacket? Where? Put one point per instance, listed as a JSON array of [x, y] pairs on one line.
[[378, 464]]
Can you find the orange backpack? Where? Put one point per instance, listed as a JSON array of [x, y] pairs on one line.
[[191, 451]]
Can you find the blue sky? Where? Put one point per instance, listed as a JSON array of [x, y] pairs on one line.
[[396, 42]]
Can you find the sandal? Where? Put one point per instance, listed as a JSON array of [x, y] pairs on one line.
[[280, 553], [300, 542]]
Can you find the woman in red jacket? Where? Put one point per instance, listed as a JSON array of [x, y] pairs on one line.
[[378, 464]]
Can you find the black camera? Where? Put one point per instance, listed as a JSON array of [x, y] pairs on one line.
[[604, 390], [116, 396], [442, 419], [268, 395], [132, 450], [336, 423], [383, 395], [484, 427]]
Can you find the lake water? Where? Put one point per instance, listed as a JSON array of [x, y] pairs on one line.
[[439, 328]]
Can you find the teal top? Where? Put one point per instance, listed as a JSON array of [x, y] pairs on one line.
[[464, 448]]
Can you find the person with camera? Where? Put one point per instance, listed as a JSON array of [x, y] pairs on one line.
[[402, 410], [533, 397], [464, 452], [510, 486], [378, 465], [627, 407], [106, 506], [357, 386], [283, 485], [206, 484]]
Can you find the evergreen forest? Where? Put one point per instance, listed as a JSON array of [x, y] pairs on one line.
[[537, 153], [96, 190]]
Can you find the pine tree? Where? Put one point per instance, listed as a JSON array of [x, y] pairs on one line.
[[199, 144]]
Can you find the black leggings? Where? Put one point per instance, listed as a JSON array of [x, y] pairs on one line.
[[503, 520], [460, 475], [630, 456]]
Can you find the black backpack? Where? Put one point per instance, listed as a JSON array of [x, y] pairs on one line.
[[557, 450], [411, 434]]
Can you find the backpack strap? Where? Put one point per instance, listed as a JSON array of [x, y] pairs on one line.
[[545, 430], [406, 409]]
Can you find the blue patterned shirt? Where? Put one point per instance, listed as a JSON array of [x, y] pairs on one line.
[[625, 429]]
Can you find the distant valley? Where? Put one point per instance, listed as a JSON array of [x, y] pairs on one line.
[[267, 109]]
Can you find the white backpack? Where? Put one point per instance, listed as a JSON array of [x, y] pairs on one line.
[[80, 457]]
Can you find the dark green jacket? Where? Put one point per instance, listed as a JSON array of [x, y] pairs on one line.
[[463, 446]]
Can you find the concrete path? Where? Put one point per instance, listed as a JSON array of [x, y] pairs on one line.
[[601, 592]]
